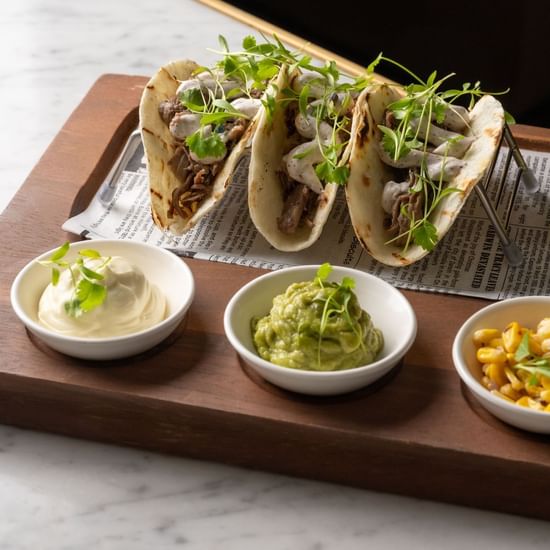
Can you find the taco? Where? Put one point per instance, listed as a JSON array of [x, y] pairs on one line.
[[407, 184], [190, 162], [298, 156]]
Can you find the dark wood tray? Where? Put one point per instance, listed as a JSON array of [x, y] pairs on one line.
[[418, 432]]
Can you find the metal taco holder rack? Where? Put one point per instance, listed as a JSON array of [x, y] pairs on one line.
[[525, 174]]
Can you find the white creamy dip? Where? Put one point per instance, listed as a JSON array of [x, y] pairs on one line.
[[132, 303]]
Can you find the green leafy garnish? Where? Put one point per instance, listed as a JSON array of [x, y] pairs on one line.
[[530, 362], [323, 272], [335, 303], [523, 350], [251, 70], [425, 235], [424, 101], [206, 146], [88, 292], [257, 63]]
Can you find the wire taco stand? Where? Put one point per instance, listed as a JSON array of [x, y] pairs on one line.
[[512, 252]]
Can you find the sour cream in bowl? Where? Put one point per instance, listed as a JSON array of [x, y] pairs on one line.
[[134, 296], [387, 330]]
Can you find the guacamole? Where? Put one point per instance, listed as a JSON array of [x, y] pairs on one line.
[[317, 325]]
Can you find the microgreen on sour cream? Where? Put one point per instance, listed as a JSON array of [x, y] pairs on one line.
[[88, 292]]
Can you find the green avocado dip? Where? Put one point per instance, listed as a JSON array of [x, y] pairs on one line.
[[317, 325]]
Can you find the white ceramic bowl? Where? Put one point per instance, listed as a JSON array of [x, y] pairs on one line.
[[389, 309], [164, 269], [527, 312]]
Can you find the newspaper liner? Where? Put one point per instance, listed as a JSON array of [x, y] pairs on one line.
[[468, 261]]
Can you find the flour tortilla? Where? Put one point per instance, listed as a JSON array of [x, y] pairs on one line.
[[265, 192], [160, 146], [368, 173]]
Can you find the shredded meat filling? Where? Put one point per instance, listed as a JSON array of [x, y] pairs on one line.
[[407, 207], [168, 108], [300, 202], [294, 208], [195, 179]]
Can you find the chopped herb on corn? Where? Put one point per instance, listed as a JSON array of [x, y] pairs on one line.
[[516, 363]]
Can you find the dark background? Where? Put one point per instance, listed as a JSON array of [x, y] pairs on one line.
[[501, 45]]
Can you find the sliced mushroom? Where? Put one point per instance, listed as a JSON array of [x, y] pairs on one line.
[[447, 143], [183, 125], [390, 193], [247, 106], [311, 78], [301, 162], [307, 127], [438, 167]]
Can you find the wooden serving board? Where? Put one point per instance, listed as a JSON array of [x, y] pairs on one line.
[[417, 432]]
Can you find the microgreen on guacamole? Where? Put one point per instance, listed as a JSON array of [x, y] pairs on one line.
[[88, 292], [335, 303]]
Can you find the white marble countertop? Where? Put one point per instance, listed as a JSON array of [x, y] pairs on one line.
[[59, 493]]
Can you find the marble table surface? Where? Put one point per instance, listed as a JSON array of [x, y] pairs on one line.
[[60, 493]]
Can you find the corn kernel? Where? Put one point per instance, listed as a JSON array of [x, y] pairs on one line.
[[534, 345], [486, 381], [545, 396], [490, 355], [484, 336], [495, 373], [535, 404], [547, 408], [510, 357], [543, 328], [509, 392], [515, 382], [523, 375], [545, 345], [511, 337], [496, 343], [502, 396], [523, 401], [532, 390], [545, 381]]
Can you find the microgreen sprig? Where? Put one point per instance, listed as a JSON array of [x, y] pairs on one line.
[[424, 100], [335, 303], [88, 291], [333, 168], [530, 362], [215, 107], [256, 63]]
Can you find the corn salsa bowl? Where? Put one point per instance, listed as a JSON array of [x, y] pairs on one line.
[[497, 353]]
